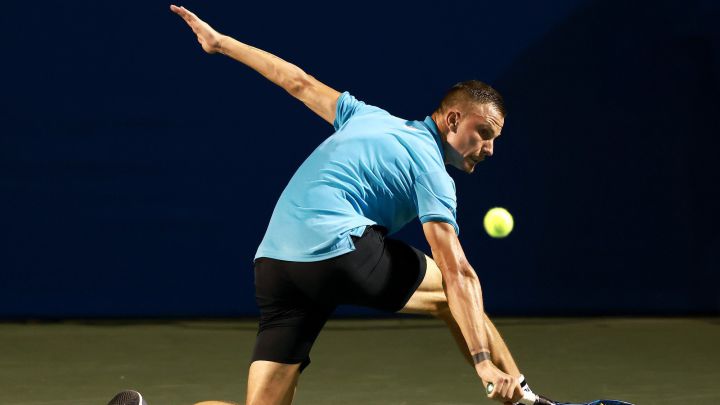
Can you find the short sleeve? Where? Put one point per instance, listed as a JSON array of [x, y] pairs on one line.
[[347, 106], [436, 200]]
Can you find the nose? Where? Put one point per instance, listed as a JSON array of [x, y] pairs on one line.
[[488, 149]]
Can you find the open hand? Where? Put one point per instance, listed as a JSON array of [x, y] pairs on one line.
[[206, 35]]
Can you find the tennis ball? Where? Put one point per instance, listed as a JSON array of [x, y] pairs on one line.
[[498, 222]]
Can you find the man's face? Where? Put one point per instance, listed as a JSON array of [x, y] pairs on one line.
[[472, 133]]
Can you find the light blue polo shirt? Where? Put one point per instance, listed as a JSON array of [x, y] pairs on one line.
[[375, 169]]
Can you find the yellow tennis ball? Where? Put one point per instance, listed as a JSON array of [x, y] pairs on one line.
[[498, 222]]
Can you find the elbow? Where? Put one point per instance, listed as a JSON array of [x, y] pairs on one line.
[[468, 273], [297, 84], [465, 270], [464, 275]]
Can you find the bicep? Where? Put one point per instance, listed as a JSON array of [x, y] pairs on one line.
[[320, 98], [446, 248]]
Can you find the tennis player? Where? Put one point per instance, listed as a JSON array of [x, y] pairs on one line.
[[327, 244]]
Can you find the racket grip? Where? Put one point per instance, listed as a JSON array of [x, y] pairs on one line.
[[528, 397]]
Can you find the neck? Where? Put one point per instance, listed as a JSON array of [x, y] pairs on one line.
[[443, 129]]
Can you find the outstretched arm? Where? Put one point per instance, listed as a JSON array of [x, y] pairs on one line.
[[317, 96], [464, 297]]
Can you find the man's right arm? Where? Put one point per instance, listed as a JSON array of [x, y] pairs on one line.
[[464, 297], [317, 96]]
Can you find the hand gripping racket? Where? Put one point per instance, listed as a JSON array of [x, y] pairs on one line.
[[532, 399]]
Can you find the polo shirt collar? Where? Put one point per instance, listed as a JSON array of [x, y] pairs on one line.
[[432, 127]]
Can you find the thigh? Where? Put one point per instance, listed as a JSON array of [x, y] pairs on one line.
[[388, 280], [429, 297], [286, 334], [289, 320]]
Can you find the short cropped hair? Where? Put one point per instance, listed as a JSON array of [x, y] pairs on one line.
[[473, 91]]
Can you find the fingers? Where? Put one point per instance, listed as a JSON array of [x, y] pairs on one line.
[[517, 393], [513, 387], [190, 13], [191, 19], [505, 389], [186, 14], [177, 10]]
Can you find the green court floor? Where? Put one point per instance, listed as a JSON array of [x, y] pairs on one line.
[[397, 361]]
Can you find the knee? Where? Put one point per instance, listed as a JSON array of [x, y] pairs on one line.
[[441, 310]]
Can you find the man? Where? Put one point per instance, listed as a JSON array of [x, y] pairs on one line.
[[326, 245]]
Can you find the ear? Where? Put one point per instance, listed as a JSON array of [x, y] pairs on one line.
[[452, 119]]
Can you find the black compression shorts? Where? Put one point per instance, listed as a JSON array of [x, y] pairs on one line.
[[296, 298]]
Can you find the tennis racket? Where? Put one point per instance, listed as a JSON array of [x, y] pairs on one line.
[[532, 399]]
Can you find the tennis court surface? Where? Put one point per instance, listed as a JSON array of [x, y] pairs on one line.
[[396, 361]]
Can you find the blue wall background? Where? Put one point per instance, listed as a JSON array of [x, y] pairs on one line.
[[137, 174]]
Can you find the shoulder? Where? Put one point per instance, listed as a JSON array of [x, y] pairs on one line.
[[349, 107], [424, 148]]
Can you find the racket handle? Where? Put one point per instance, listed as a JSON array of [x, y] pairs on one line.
[[528, 397]]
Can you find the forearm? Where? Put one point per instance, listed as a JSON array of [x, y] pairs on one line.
[[464, 297], [461, 284], [283, 73]]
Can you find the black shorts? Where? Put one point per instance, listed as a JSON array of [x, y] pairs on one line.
[[296, 298]]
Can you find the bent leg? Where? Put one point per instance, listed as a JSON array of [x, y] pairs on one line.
[[271, 383], [430, 299]]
